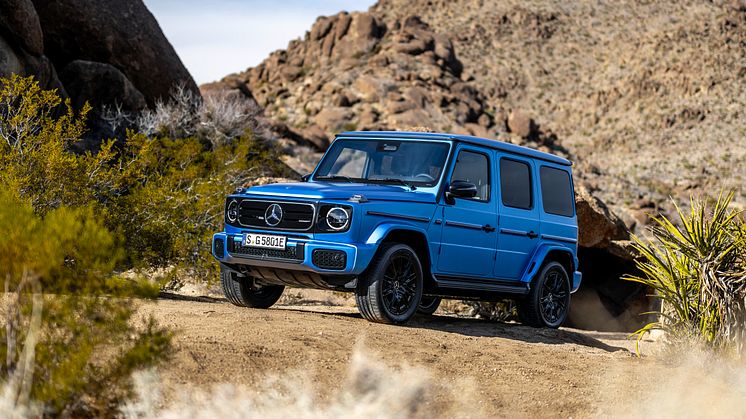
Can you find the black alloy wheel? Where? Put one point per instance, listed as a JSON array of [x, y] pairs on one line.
[[399, 285], [391, 289], [548, 301], [554, 297]]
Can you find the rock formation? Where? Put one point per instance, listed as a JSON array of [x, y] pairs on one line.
[[106, 52], [122, 33], [353, 72]]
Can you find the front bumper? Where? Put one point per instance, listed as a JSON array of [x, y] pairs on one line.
[[356, 256]]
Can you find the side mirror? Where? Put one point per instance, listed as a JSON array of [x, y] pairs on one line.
[[305, 177], [460, 189]]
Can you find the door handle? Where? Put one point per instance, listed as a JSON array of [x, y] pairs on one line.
[[532, 235], [488, 228]]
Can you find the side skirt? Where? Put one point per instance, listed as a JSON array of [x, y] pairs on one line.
[[457, 286]]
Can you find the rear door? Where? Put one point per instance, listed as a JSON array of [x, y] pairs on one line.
[[520, 225], [469, 237]]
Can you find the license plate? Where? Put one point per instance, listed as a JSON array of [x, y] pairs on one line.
[[265, 241]]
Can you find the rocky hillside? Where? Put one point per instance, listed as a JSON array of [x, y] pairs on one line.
[[649, 95], [357, 72], [103, 51]]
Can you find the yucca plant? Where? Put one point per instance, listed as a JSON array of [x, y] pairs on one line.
[[698, 269]]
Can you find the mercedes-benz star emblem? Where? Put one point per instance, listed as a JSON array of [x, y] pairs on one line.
[[273, 215]]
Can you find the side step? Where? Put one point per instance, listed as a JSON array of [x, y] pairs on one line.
[[481, 284]]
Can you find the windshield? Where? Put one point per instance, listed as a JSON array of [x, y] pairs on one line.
[[412, 163]]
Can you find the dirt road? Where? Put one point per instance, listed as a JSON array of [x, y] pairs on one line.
[[487, 369]]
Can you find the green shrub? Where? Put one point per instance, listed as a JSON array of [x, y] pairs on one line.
[[69, 221], [698, 270], [37, 130], [172, 202], [68, 341], [164, 196]]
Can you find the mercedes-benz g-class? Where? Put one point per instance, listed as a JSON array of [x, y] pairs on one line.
[[405, 219]]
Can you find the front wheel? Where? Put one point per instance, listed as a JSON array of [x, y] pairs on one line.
[[548, 302], [391, 289], [240, 290]]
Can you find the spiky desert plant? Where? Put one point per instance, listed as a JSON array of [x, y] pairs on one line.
[[698, 269]]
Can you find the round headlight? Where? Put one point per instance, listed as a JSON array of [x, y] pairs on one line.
[[231, 212], [337, 218]]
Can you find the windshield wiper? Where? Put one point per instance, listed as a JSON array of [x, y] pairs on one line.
[[335, 177], [394, 180]]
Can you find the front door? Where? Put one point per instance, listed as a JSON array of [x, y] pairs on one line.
[[469, 238], [520, 224]]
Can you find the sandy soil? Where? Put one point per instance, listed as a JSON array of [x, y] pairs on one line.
[[506, 369]]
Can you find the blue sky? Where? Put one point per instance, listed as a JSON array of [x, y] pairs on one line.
[[217, 38]]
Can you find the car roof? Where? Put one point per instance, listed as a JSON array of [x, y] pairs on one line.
[[484, 142]]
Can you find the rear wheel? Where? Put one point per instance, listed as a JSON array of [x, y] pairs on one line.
[[428, 305], [241, 291], [391, 289], [548, 302]]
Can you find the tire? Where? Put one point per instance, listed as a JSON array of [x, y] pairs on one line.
[[428, 305], [548, 302], [239, 290], [391, 288]]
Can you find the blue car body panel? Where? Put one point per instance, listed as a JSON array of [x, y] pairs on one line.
[[475, 244]]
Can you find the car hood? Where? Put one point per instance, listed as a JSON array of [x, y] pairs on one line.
[[342, 191]]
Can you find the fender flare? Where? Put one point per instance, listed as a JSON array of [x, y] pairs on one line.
[[538, 259], [384, 228]]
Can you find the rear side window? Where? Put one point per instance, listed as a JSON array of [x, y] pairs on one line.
[[515, 184], [556, 191]]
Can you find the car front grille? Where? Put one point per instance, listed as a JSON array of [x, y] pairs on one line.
[[291, 253], [295, 215]]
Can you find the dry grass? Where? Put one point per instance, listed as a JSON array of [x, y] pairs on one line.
[[218, 117]]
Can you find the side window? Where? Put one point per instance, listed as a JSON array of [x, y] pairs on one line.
[[556, 191], [515, 184], [474, 168]]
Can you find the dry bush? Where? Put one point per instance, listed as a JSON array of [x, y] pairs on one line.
[[224, 116], [218, 118], [175, 118]]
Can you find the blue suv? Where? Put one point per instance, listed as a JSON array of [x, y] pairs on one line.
[[404, 219]]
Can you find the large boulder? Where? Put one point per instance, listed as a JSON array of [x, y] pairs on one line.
[[19, 20], [122, 33], [598, 226], [15, 60], [100, 84], [9, 61]]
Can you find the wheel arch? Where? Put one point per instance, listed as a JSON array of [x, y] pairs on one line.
[[413, 237], [560, 254]]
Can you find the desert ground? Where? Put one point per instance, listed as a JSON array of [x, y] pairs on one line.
[[467, 367]]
